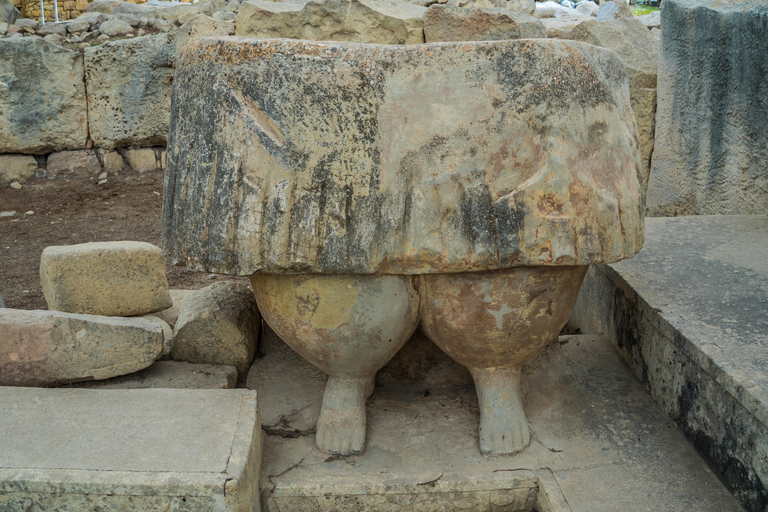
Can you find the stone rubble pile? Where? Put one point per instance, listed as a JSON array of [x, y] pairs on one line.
[[111, 314]]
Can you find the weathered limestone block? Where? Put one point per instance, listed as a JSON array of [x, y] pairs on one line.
[[8, 12], [172, 375], [218, 324], [115, 28], [559, 28], [711, 119], [105, 278], [523, 6], [588, 7], [16, 168], [448, 23], [639, 51], [41, 348], [141, 160], [111, 161], [530, 157], [42, 97], [360, 21], [614, 11], [79, 163], [129, 84]]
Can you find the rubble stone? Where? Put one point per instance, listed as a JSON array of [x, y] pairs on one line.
[[79, 163], [448, 23], [16, 168]]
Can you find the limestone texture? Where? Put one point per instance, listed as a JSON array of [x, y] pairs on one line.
[[523, 6], [448, 23], [115, 28], [41, 348], [42, 97], [111, 161], [529, 157], [105, 278], [218, 324], [687, 315], [560, 28], [712, 118], [81, 162], [141, 160], [171, 375], [16, 168], [651, 20], [639, 51], [129, 84], [588, 7], [130, 449], [614, 11], [8, 12], [360, 21], [171, 314]]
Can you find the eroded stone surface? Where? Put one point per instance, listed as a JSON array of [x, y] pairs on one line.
[[449, 23], [40, 348], [172, 375], [711, 120], [530, 157], [42, 97], [16, 168], [105, 278]]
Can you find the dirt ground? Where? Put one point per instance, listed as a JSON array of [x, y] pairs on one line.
[[76, 210]]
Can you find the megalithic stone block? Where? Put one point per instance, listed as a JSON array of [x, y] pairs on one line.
[[302, 157]]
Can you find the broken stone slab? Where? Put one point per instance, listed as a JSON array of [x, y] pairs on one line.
[[167, 333], [41, 348], [105, 278], [475, 188], [42, 97], [129, 84], [16, 168], [448, 23], [218, 324], [171, 374], [639, 51], [360, 21], [80, 449], [711, 120]]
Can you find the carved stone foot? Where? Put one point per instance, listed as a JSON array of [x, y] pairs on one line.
[[341, 426], [503, 427]]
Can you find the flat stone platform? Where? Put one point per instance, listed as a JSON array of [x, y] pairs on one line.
[[600, 443], [129, 450], [689, 314]]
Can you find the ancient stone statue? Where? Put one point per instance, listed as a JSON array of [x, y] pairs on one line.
[[367, 188]]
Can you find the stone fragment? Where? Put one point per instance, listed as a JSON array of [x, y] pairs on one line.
[[78, 26], [523, 6], [457, 208], [181, 12], [15, 185], [551, 9], [79, 163], [448, 23], [361, 21], [167, 330], [172, 375], [129, 84], [51, 28], [115, 28], [8, 12], [588, 8], [41, 348], [711, 118], [26, 23], [638, 50], [141, 160], [190, 450], [560, 28], [613, 11], [171, 314], [55, 39], [218, 324], [651, 20], [42, 97], [103, 6], [3, 28], [130, 19], [16, 168], [111, 161], [105, 278]]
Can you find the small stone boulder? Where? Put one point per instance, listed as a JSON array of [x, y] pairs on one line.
[[115, 28], [105, 278], [42, 348], [141, 160], [651, 20], [523, 6], [51, 28], [449, 23], [218, 324], [8, 12], [614, 11], [82, 162], [588, 8], [16, 168]]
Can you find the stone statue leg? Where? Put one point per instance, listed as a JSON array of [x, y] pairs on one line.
[[347, 325], [491, 322]]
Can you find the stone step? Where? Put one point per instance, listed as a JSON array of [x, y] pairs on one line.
[[689, 315], [137, 450], [600, 443]]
